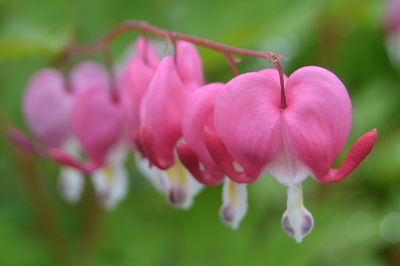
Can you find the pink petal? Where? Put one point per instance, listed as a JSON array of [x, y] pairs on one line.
[[161, 111], [219, 153], [86, 74], [46, 107], [247, 119], [189, 65], [24, 142], [198, 115], [358, 152], [317, 120], [145, 51], [134, 81], [97, 122], [65, 159]]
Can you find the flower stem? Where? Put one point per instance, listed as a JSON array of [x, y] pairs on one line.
[[143, 27]]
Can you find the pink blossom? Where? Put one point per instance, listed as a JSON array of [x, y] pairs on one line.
[[161, 115], [304, 139], [134, 81]]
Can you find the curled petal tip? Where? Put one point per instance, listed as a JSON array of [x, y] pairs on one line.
[[358, 152], [22, 141]]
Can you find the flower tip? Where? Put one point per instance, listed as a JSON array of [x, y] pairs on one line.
[[297, 225], [177, 198], [227, 216]]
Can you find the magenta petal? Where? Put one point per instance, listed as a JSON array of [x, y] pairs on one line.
[[358, 152], [247, 119], [317, 121], [162, 108], [65, 159], [47, 106], [189, 65], [198, 115], [97, 122]]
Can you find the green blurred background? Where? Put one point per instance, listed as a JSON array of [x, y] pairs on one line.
[[357, 221]]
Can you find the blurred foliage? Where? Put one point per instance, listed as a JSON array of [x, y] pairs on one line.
[[356, 221]]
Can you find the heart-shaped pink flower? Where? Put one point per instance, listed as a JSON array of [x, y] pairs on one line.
[[165, 101], [193, 152], [134, 81], [46, 107], [254, 134]]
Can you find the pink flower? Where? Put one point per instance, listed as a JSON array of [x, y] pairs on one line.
[[162, 109], [194, 155], [46, 107], [134, 81], [257, 135]]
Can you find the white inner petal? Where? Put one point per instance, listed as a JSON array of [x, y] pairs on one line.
[[234, 207], [71, 183], [111, 184], [111, 181], [183, 186], [286, 168], [297, 220], [156, 176]]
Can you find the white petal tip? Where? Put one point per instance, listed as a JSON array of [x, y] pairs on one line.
[[229, 218], [298, 225], [178, 198], [234, 206]]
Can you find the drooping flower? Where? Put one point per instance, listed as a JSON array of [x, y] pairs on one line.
[[193, 153], [47, 107], [98, 124], [133, 82], [162, 108], [255, 134]]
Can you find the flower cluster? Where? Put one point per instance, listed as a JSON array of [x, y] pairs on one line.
[[187, 134]]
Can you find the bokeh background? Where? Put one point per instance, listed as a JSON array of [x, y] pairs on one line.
[[357, 221]]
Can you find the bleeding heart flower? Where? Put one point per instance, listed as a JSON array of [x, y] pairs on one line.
[[290, 142], [97, 123], [46, 107], [162, 109], [134, 81], [195, 157]]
